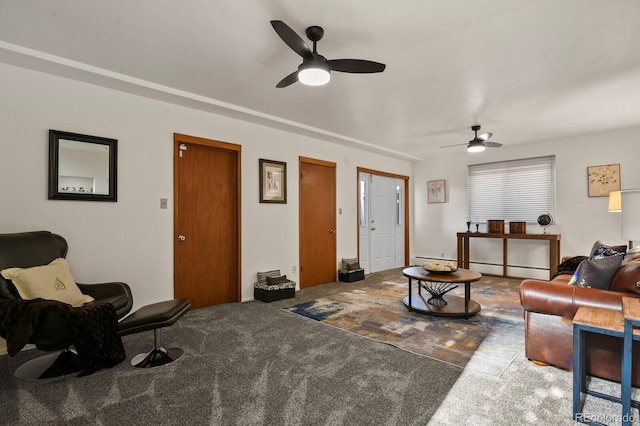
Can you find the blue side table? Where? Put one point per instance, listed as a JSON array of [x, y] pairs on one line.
[[602, 321]]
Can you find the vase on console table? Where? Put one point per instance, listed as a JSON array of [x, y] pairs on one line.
[[477, 227], [468, 226]]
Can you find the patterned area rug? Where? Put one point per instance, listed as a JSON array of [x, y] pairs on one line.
[[486, 343]]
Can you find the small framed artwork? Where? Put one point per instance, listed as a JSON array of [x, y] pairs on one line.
[[273, 181], [603, 179], [437, 191]]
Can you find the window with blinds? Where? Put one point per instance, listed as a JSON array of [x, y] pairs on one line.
[[516, 190]]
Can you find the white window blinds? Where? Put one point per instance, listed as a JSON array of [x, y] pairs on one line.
[[517, 190]]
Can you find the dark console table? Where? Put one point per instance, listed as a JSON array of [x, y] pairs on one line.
[[553, 239]]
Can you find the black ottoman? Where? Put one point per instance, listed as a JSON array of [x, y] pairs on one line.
[[153, 317]]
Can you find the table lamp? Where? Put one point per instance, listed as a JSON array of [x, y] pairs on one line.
[[630, 199]]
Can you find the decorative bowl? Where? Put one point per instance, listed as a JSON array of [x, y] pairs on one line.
[[440, 267]]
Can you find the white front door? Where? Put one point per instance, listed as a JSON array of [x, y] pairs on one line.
[[381, 222]]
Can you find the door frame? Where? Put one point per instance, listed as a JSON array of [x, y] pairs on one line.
[[334, 166], [179, 138], [406, 206]]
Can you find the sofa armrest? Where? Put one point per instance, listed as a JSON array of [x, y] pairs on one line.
[[561, 299], [627, 277]]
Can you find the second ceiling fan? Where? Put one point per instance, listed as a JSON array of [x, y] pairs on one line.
[[315, 69], [479, 142]]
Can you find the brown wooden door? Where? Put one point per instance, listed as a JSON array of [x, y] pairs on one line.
[[206, 221], [318, 264]]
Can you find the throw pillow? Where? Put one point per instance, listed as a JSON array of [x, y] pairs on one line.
[[603, 250], [277, 280], [596, 272], [353, 266], [52, 282]]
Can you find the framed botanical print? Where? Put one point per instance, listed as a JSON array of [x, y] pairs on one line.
[[436, 191], [273, 181], [603, 179]]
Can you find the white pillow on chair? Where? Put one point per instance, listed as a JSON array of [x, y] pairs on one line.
[[52, 282]]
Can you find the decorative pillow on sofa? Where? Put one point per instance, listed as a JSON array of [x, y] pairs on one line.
[[603, 250], [596, 272], [52, 282], [277, 280]]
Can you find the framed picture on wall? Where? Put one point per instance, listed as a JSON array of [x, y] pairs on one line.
[[273, 181], [437, 191], [82, 167], [603, 179]]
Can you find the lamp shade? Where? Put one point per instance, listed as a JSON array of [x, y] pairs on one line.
[[614, 201], [631, 214]]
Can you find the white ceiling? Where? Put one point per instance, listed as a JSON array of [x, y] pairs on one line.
[[525, 70]]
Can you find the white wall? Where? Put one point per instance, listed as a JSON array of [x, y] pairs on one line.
[[131, 240], [581, 220]]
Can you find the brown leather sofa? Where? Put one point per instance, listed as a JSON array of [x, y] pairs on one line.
[[549, 308]]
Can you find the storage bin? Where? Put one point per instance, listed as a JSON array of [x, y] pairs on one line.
[[517, 227], [351, 276], [271, 295], [495, 226]]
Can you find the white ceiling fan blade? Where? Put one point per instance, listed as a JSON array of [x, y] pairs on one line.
[[492, 144], [485, 136]]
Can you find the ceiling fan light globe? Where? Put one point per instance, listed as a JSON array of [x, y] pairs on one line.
[[314, 76], [475, 147]]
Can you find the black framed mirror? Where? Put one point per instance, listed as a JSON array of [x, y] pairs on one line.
[[82, 167]]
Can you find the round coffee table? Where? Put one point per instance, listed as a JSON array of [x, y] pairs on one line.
[[438, 284]]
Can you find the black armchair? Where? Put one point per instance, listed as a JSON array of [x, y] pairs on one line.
[[28, 249]]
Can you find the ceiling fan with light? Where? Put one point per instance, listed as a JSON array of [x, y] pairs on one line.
[[479, 142], [315, 69]]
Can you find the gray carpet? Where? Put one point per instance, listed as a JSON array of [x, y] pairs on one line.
[[254, 364], [526, 394], [245, 364]]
